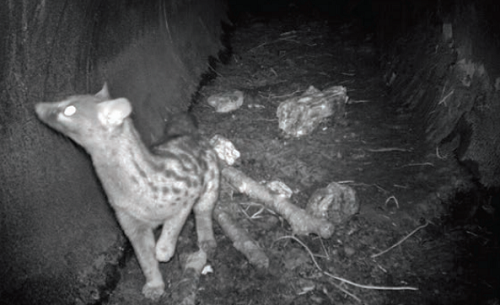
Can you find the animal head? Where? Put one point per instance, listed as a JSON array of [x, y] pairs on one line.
[[87, 119]]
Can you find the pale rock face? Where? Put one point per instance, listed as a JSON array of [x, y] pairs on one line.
[[299, 116]]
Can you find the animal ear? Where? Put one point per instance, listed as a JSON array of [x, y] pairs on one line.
[[113, 112], [104, 93]]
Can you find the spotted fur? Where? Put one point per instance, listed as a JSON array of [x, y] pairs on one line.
[[146, 187]]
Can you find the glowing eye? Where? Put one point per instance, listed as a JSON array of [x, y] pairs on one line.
[[69, 111]]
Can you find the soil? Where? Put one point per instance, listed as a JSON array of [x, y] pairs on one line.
[[403, 186]]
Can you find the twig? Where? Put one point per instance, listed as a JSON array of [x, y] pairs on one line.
[[418, 164], [345, 181], [303, 245], [387, 149], [285, 95], [288, 33], [401, 241], [164, 10], [393, 198], [370, 286], [375, 185], [215, 71], [442, 101], [439, 155], [344, 280], [380, 188], [400, 186], [245, 212], [324, 249], [274, 41], [255, 215], [346, 292], [260, 45], [358, 101]]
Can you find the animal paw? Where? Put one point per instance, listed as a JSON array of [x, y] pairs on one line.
[[153, 291], [164, 254], [208, 246]]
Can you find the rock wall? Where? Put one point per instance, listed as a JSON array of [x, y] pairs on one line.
[[446, 72], [60, 243]]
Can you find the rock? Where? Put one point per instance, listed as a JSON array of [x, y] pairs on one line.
[[299, 116], [226, 102], [335, 203]]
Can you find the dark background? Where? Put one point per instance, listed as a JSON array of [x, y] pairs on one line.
[[58, 238]]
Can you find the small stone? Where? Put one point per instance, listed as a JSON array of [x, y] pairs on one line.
[[349, 251], [226, 102]]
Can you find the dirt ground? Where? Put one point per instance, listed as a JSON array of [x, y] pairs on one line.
[[402, 186]]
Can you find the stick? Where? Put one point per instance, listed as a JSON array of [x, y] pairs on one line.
[[301, 222], [241, 240], [400, 242]]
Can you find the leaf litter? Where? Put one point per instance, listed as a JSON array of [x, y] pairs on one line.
[[394, 250]]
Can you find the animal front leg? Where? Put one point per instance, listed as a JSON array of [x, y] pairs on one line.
[[203, 210], [165, 246], [142, 239]]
